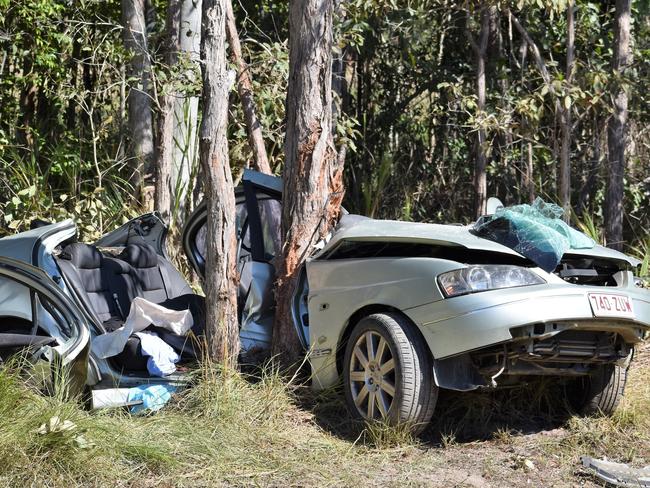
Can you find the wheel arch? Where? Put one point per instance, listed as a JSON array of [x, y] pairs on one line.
[[354, 319]]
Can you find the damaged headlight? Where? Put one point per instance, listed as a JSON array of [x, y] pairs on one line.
[[474, 279]]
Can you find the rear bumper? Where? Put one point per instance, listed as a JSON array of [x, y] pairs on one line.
[[462, 324]]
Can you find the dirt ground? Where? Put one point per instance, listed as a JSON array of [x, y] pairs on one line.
[[490, 441]]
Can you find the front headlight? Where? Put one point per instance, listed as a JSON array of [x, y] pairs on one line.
[[474, 279]]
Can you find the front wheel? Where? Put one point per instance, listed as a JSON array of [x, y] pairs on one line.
[[388, 372], [600, 392]]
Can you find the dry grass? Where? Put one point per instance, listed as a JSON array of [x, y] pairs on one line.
[[260, 431]]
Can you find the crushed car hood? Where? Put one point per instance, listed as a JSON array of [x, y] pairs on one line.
[[359, 228]]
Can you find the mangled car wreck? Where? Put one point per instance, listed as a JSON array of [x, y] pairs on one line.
[[396, 310]]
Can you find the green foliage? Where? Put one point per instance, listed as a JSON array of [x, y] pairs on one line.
[[405, 102]]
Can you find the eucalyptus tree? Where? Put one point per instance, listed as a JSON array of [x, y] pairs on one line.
[[221, 324], [312, 176], [140, 115], [616, 130]]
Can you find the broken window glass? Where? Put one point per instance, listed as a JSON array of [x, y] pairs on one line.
[[535, 231]]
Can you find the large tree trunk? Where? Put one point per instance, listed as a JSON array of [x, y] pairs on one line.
[[166, 101], [186, 113], [312, 174], [139, 98], [222, 329], [480, 51], [245, 89], [616, 130], [565, 120]]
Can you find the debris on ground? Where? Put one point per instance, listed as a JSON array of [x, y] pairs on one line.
[[58, 426], [138, 399], [617, 474]]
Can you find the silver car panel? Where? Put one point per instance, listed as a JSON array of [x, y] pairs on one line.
[[16, 279], [450, 326], [356, 228]]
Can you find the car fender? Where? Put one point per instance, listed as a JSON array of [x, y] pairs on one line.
[[340, 288]]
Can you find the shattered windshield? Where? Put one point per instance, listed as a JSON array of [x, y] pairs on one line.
[[535, 231]]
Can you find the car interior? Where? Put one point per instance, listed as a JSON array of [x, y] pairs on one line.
[[106, 284]]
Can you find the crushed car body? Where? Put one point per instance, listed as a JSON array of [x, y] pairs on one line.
[[395, 310]]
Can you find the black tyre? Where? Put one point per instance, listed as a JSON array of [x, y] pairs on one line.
[[388, 372], [599, 393]]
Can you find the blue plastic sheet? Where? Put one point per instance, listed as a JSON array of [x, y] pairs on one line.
[[153, 397], [535, 231]]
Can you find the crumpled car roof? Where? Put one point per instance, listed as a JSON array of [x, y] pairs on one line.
[[359, 228]]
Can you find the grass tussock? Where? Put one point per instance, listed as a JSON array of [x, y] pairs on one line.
[[261, 429], [625, 436], [229, 428]]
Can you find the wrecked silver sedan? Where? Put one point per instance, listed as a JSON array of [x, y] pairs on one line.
[[396, 310]]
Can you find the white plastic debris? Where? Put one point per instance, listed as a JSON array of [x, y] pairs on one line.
[[618, 474]]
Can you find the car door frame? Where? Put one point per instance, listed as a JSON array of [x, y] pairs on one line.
[[252, 183], [74, 353]]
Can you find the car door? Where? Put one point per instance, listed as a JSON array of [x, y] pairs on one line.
[[38, 319], [258, 208]]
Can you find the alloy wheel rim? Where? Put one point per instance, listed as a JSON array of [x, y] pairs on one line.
[[372, 376]]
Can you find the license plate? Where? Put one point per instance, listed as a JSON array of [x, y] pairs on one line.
[[611, 305]]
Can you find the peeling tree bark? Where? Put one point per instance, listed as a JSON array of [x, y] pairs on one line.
[[616, 129], [222, 329], [245, 90], [313, 185], [139, 98]]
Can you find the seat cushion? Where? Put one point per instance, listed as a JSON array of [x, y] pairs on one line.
[[131, 358], [146, 272], [93, 277]]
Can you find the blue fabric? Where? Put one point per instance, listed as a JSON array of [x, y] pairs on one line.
[[162, 357], [153, 397]]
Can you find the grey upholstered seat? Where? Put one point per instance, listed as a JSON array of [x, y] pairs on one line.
[[106, 286]]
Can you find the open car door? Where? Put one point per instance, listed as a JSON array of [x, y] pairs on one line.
[[40, 322], [259, 210]]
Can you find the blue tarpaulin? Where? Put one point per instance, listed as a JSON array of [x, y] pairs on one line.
[[535, 231]]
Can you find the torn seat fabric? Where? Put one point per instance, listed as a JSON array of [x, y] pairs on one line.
[[142, 314]]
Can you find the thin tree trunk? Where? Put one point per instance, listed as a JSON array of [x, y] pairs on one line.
[[313, 183], [560, 110], [245, 89], [589, 189], [139, 98], [480, 51], [73, 68], [565, 120], [530, 176], [222, 329], [27, 107], [186, 114], [166, 102], [616, 130]]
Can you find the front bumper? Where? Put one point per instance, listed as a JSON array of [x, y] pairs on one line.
[[462, 324]]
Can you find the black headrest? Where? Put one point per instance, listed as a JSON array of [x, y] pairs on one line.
[[140, 255], [83, 256]]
